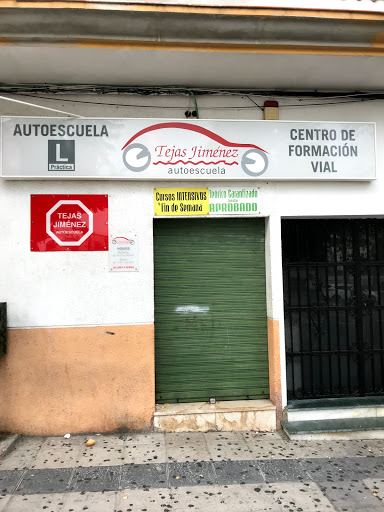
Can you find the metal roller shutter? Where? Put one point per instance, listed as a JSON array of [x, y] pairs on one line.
[[210, 310]]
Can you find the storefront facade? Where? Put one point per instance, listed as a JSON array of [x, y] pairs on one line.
[[103, 347], [265, 285]]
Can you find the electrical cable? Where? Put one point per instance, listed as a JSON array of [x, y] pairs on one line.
[[357, 99], [196, 107], [170, 90], [255, 103], [39, 106], [85, 102], [181, 106], [327, 103]]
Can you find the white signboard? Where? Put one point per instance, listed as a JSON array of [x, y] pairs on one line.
[[124, 253], [154, 149]]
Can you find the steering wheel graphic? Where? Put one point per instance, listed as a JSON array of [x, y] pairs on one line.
[[137, 157], [254, 162]]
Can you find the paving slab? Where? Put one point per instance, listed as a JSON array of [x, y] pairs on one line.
[[4, 500], [145, 453], [371, 467], [58, 452], [283, 470], [134, 476], [41, 481], [268, 446], [137, 500], [7, 442], [327, 470], [276, 497], [376, 486], [108, 450], [191, 473], [187, 446], [227, 446], [351, 496], [23, 454], [237, 472], [333, 449], [371, 447], [277, 446], [96, 479], [89, 501], [9, 481], [301, 497], [285, 448], [35, 503], [157, 438], [337, 470], [237, 498]]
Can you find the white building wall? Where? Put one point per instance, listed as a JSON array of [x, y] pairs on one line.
[[75, 288]]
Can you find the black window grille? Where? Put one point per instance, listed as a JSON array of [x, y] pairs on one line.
[[334, 301]]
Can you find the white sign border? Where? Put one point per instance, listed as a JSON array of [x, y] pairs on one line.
[[56, 238], [223, 180]]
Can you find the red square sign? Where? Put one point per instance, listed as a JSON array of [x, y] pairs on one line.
[[69, 222]]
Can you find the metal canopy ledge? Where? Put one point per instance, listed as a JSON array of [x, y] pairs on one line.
[[94, 26]]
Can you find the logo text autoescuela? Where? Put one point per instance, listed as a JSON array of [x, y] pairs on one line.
[[61, 130]]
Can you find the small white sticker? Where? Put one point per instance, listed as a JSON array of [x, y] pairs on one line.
[[124, 253]]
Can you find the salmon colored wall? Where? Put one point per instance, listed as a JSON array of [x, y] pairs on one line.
[[274, 367], [55, 381]]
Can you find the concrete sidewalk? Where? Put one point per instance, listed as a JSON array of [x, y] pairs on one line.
[[226, 471]]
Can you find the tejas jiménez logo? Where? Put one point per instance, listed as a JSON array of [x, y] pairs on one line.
[[137, 157]]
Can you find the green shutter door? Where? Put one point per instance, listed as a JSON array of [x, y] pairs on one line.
[[210, 309]]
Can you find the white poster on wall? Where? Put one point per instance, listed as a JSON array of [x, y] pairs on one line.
[[124, 253]]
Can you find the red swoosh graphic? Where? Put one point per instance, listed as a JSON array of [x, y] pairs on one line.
[[195, 163], [192, 128]]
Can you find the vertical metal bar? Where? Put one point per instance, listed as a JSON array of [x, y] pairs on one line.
[[359, 318], [329, 331], [347, 309], [381, 352], [300, 326], [372, 310], [379, 225], [291, 332], [309, 329], [319, 331], [337, 308]]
